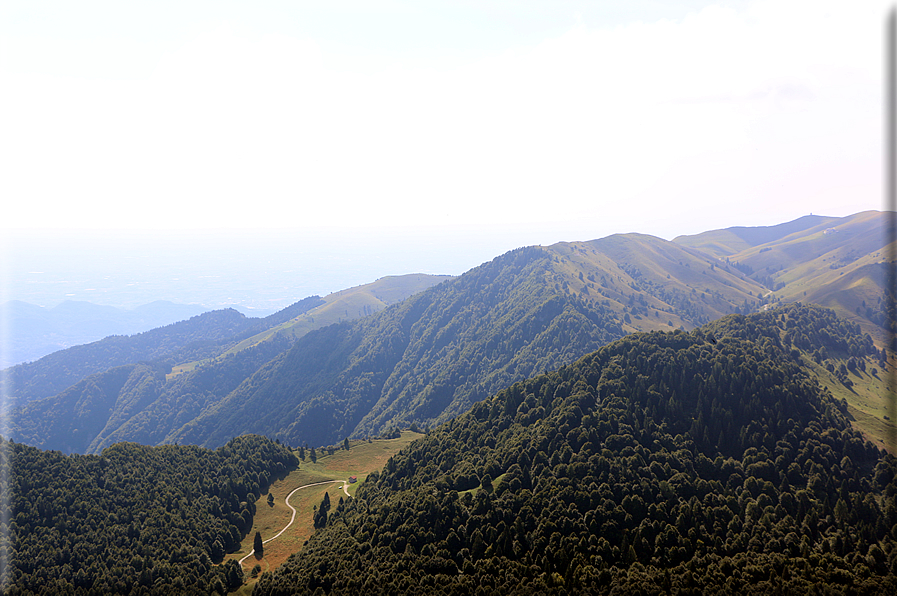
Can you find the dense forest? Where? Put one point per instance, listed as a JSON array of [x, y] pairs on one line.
[[708, 462], [134, 520]]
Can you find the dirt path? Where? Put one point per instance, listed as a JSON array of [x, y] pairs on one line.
[[293, 509]]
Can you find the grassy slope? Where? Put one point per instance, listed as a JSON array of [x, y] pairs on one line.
[[870, 400], [838, 266], [344, 305], [361, 459], [679, 270], [729, 241], [833, 262]]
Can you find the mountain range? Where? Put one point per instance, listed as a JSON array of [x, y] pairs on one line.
[[708, 462], [623, 415], [423, 353]]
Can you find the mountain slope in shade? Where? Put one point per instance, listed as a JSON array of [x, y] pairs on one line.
[[708, 462], [344, 305], [428, 358], [57, 371]]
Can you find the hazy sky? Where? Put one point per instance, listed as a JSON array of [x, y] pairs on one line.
[[550, 120]]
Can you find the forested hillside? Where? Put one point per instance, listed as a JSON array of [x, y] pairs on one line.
[[708, 462], [135, 520], [432, 356], [425, 359], [135, 402], [428, 358], [54, 373]]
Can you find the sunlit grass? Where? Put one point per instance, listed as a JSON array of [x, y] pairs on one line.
[[360, 460]]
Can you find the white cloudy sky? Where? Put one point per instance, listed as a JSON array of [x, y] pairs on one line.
[[583, 118]]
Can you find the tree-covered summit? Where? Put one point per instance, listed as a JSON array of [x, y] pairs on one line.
[[704, 462]]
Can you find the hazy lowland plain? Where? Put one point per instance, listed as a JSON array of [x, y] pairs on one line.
[[711, 414]]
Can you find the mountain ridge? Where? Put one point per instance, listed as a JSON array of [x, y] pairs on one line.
[[428, 358]]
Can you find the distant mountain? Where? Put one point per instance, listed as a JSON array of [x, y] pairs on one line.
[[53, 373], [837, 262], [709, 462], [344, 305], [36, 331], [120, 386], [729, 241]]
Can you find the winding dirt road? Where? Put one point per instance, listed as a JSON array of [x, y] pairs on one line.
[[293, 509]]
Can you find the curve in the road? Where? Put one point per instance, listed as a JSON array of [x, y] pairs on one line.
[[293, 509]]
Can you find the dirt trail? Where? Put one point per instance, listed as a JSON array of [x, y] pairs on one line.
[[293, 509]]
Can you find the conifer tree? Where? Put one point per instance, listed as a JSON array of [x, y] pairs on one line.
[[258, 546]]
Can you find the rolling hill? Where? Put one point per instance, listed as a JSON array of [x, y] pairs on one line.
[[839, 263]]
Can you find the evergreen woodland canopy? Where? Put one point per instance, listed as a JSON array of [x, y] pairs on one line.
[[699, 463], [134, 520]]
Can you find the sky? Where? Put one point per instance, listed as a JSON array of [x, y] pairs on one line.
[[434, 134]]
